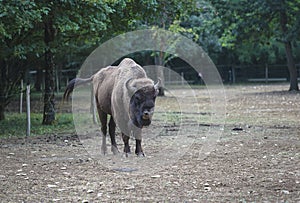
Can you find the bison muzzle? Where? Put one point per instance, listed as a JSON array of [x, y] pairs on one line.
[[128, 95]]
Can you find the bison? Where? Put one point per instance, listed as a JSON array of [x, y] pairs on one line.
[[128, 95]]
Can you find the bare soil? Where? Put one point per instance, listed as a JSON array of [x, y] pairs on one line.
[[256, 158]]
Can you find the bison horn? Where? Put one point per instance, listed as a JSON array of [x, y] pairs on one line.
[[156, 86], [130, 88]]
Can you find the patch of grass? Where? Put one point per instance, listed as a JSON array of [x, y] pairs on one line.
[[15, 125]]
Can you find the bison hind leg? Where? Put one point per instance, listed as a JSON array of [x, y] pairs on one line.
[[112, 133], [103, 120], [103, 146], [115, 150]]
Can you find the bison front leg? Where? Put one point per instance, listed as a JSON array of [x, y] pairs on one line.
[[126, 144], [138, 148], [137, 133]]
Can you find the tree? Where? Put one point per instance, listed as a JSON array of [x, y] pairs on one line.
[[32, 30], [68, 23], [261, 23], [283, 8], [202, 25], [171, 14], [162, 14], [20, 45]]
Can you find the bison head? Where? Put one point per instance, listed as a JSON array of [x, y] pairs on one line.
[[142, 102]]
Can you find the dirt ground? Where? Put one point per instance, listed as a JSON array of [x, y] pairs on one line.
[[256, 158]]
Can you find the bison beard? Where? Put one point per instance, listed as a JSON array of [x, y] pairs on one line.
[[128, 95]]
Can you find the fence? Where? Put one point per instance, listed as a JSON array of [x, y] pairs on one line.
[[62, 77], [232, 74], [178, 75], [255, 73]]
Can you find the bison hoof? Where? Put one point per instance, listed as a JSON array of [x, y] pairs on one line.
[[115, 150], [103, 150], [127, 149], [140, 154]]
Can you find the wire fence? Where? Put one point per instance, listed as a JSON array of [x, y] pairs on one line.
[[255, 73], [176, 76], [230, 74]]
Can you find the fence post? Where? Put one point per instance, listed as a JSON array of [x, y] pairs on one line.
[[21, 97], [169, 75], [28, 109], [266, 73], [233, 74], [56, 80]]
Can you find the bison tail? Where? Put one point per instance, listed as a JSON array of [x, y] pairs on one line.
[[74, 83]]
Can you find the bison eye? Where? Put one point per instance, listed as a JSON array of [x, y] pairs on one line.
[[138, 98]]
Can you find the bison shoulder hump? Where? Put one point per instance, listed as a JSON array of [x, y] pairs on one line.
[[127, 62]]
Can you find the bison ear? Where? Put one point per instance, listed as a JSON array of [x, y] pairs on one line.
[[130, 88], [156, 86]]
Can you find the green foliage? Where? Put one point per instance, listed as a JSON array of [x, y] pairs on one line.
[[28, 29], [15, 125], [17, 28], [203, 26], [252, 29]]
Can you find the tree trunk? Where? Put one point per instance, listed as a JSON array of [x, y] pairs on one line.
[[3, 88], [288, 50], [2, 110], [292, 67], [160, 73], [49, 107], [11, 73]]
